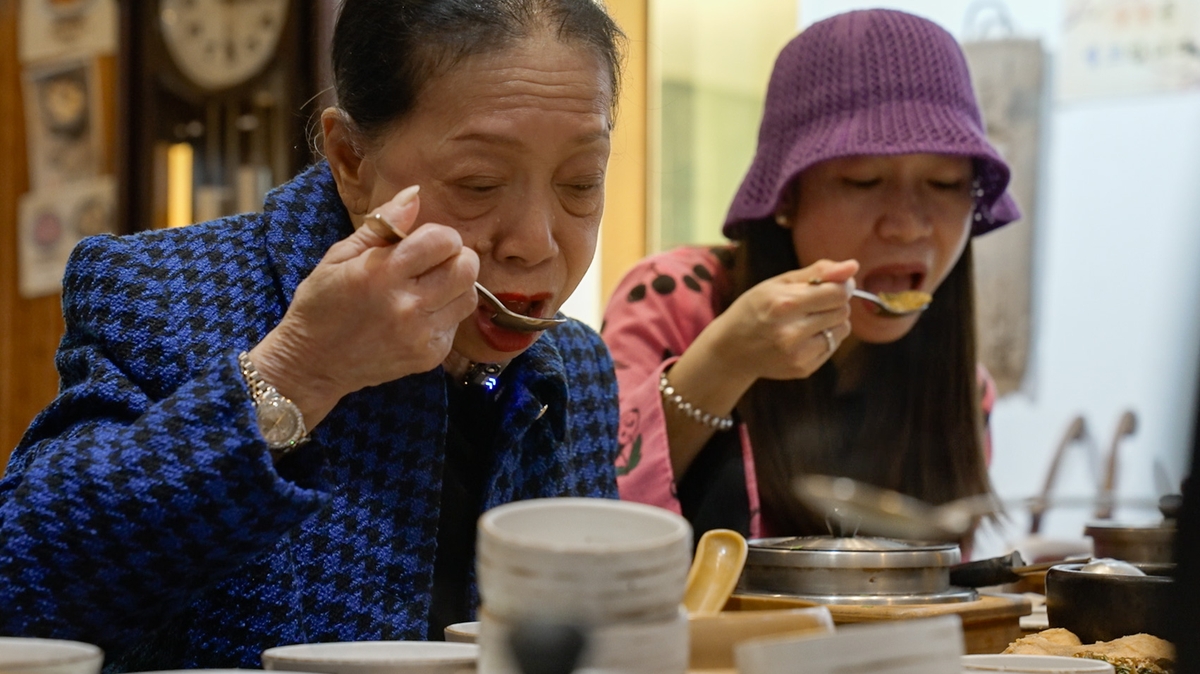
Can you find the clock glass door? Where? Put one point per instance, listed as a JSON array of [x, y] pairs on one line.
[[218, 107]]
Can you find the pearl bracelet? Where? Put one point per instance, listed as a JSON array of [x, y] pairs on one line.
[[689, 410]]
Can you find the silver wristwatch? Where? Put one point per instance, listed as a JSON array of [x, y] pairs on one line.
[[279, 420]]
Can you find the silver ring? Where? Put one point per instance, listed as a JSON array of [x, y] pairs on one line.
[[829, 341]]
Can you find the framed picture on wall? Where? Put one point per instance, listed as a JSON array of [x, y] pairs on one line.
[[56, 29], [63, 130], [51, 222]]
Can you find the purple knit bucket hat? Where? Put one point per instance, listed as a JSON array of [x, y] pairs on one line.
[[868, 82]]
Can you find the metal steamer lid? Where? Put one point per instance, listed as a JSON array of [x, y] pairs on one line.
[[859, 552], [858, 570]]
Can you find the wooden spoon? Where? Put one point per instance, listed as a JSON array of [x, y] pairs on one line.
[[720, 556]]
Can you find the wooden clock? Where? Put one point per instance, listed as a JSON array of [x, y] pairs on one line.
[[215, 104]]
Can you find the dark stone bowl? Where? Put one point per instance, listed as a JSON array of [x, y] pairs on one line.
[[1103, 607]]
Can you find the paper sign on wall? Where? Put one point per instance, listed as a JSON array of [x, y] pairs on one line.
[[54, 29], [51, 223], [1128, 47]]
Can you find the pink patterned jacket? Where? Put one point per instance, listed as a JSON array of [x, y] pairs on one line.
[[656, 312]]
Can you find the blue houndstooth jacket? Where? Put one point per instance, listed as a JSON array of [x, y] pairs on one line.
[[142, 513]]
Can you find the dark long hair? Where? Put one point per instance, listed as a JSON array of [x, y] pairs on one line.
[[385, 51], [921, 426]]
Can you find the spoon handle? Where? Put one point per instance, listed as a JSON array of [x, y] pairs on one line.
[[504, 317], [383, 229]]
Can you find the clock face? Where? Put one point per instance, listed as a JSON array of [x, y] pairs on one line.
[[218, 44]]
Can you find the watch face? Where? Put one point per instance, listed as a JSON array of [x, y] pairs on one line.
[[279, 421], [221, 43]]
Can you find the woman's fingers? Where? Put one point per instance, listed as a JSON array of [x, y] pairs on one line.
[[398, 215], [386, 301], [805, 345], [785, 319], [823, 271], [449, 281]]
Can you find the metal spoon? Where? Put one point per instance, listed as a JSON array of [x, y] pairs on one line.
[[504, 317], [882, 512], [897, 304]]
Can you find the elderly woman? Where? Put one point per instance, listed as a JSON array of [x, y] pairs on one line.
[[271, 427], [745, 366]]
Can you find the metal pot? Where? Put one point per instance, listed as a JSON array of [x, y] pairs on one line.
[[1139, 544], [858, 570], [1148, 544], [1103, 607]]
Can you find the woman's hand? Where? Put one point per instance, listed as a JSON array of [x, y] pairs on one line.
[[371, 312], [775, 330]]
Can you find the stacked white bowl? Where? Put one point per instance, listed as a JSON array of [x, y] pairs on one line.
[[612, 568], [20, 655]]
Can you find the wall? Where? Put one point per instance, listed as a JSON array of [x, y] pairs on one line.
[[1116, 285], [29, 329]]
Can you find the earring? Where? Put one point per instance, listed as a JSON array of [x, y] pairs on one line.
[[781, 220]]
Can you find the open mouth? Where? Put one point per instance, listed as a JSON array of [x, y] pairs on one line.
[[892, 282]]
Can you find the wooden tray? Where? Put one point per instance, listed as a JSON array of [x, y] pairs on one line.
[[990, 623]]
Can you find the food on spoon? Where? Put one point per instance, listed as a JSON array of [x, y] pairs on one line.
[[908, 300], [1135, 654]]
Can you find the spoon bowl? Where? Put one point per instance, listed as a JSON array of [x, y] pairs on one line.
[[897, 304], [863, 508], [504, 317], [720, 556]]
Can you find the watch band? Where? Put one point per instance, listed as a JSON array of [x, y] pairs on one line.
[[279, 419]]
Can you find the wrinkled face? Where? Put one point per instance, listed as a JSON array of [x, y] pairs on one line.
[[905, 218], [510, 149]]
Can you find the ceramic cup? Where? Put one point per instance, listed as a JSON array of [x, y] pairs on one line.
[[592, 561], [21, 655], [374, 657], [659, 647]]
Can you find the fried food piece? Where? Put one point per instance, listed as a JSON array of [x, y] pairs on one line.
[[1055, 641], [1134, 654]]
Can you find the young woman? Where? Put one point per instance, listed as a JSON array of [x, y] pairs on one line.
[[743, 367], [166, 507]]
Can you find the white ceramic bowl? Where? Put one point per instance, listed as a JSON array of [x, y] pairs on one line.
[[21, 655], [917, 646], [714, 637], [463, 633], [374, 657], [597, 561], [630, 648], [210, 671], [1034, 664]]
